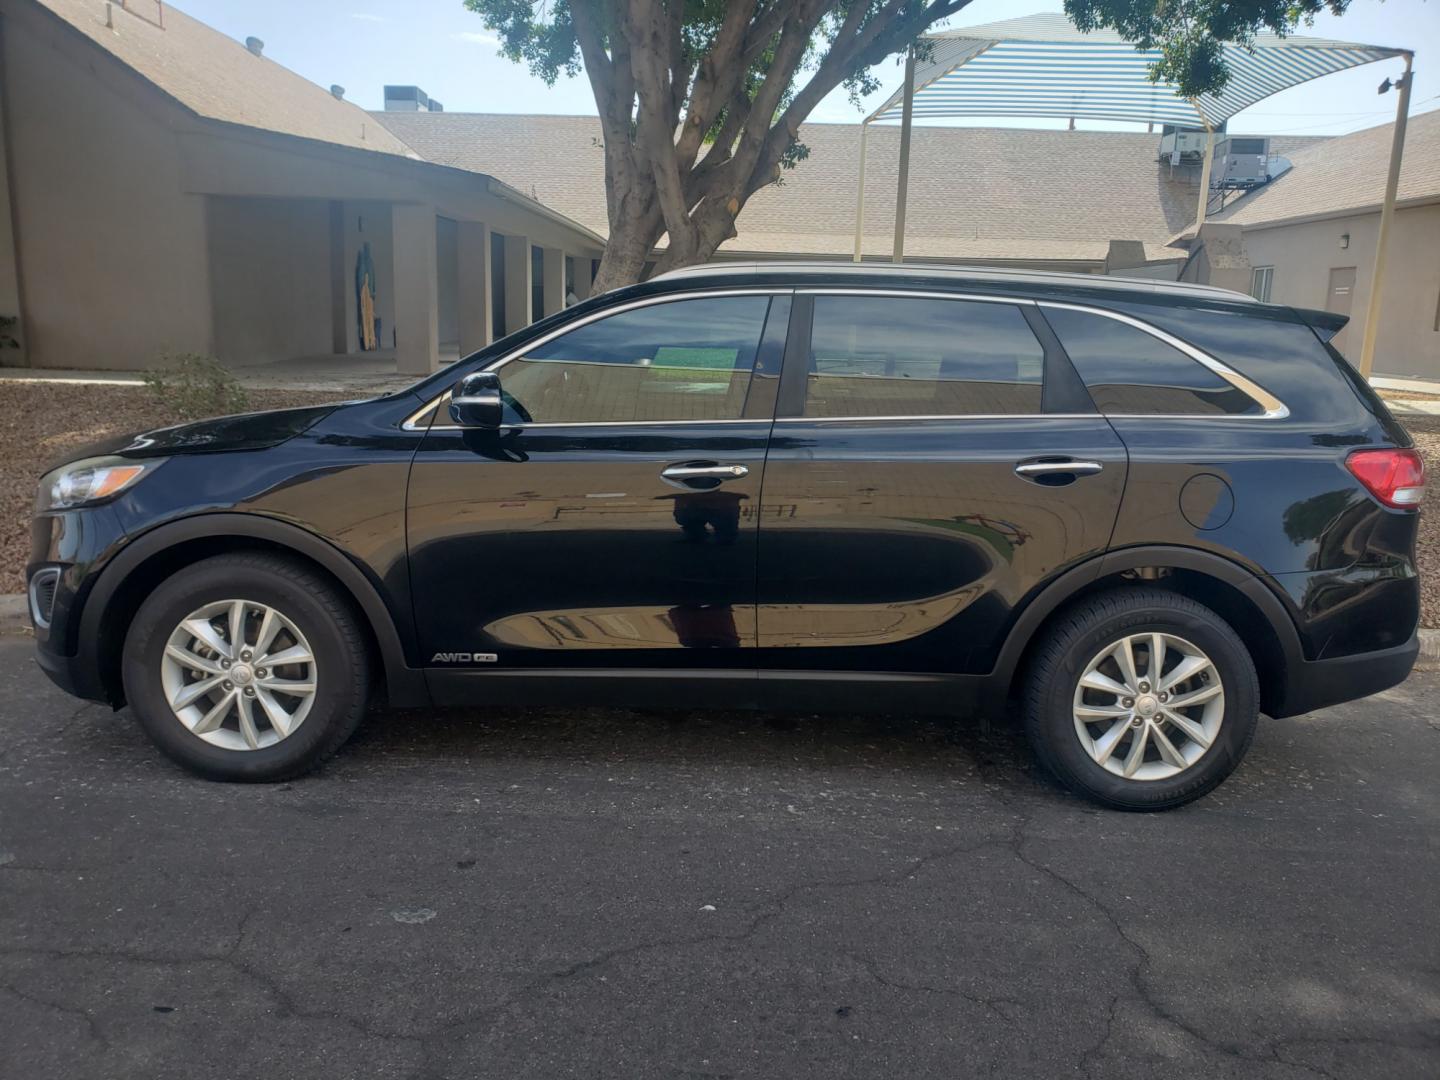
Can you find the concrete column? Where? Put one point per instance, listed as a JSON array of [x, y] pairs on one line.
[[582, 277], [554, 283], [417, 307], [517, 283], [476, 320]]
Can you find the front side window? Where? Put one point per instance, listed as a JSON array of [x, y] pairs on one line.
[[682, 360], [913, 356], [1131, 372]]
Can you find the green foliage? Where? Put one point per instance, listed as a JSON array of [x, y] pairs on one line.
[[1189, 33], [190, 386]]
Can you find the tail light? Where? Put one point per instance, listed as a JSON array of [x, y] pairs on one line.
[[1395, 477]]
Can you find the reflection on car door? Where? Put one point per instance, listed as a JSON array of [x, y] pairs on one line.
[[612, 520], [934, 460]]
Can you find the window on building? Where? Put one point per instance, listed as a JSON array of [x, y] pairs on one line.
[[1260, 282], [537, 283], [1131, 372], [904, 356], [682, 360], [497, 285]]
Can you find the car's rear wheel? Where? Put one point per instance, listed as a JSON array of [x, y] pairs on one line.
[[1141, 699], [246, 667]]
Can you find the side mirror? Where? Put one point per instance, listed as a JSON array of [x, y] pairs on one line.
[[475, 401]]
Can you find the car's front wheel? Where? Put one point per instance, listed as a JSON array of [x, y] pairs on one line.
[[246, 667], [1141, 699]]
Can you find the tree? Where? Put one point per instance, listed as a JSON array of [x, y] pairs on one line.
[[1189, 33], [701, 101]]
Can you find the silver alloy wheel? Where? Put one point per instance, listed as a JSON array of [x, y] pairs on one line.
[[238, 674], [1149, 706]]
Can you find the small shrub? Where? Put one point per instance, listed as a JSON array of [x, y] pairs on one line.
[[191, 385]]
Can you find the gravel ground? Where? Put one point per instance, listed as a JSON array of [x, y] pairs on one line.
[[38, 423], [31, 436], [1425, 430]]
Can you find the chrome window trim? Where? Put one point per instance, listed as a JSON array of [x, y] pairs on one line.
[[411, 422], [1272, 407], [936, 416]]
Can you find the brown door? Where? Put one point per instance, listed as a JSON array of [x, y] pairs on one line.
[[1338, 298]]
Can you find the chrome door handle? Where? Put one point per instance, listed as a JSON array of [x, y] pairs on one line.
[[705, 472], [1053, 468]]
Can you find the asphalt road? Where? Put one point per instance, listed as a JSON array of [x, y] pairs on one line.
[[615, 894]]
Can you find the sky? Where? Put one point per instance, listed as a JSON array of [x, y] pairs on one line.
[[448, 53]]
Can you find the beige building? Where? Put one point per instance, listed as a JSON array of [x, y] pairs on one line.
[[171, 190], [1309, 241], [166, 189]]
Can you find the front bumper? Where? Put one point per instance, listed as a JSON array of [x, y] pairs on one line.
[[1316, 684]]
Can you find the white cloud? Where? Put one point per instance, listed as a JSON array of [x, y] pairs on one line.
[[365, 16], [475, 37]]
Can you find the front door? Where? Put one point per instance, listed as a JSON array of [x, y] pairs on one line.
[[1339, 295], [934, 461], [612, 521]]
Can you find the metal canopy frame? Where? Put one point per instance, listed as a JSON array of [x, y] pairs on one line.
[[1042, 66]]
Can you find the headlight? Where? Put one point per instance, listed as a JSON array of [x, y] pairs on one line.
[[90, 481]]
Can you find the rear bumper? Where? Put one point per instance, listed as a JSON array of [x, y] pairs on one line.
[[1316, 684]]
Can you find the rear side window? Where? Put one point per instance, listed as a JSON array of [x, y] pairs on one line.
[[912, 356], [1130, 372]]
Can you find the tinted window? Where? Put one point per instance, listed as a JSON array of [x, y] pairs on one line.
[[1132, 372], [684, 360], [903, 356]]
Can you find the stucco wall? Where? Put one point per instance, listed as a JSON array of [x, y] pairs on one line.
[[270, 274], [1304, 254], [111, 250], [9, 278]]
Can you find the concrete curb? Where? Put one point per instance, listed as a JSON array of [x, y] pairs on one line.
[[15, 619], [14, 614], [1429, 649]]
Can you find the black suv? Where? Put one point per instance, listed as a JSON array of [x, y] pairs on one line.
[[1147, 512]]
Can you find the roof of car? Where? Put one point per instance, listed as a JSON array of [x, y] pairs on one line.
[[948, 276]]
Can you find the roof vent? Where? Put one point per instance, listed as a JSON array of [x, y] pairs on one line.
[[255, 45], [337, 91]]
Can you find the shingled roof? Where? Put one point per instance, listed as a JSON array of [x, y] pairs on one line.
[[218, 78], [1346, 175], [975, 193]]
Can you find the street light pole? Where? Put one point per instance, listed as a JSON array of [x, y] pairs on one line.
[[1387, 214], [906, 112], [860, 196]]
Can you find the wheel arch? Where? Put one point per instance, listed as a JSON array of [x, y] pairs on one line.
[[1232, 591], [124, 582]]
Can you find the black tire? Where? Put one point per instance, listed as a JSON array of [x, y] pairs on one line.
[[1076, 635], [321, 614]]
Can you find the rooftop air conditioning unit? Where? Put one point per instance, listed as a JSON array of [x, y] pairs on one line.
[[1242, 161], [1182, 146]]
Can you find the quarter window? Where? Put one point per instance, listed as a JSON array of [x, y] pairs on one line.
[[1129, 371], [682, 360], [912, 356]]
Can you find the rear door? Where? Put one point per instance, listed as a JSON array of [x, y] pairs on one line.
[[935, 460]]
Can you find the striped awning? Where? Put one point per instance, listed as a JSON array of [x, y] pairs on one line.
[[1042, 66]]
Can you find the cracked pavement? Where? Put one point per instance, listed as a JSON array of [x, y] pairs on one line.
[[605, 893]]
